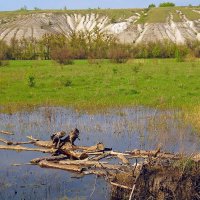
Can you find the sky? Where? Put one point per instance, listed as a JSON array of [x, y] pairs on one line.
[[6, 5]]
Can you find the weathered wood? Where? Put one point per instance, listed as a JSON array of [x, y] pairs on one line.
[[50, 158], [123, 159], [21, 148], [121, 186], [96, 172], [80, 162], [5, 141], [154, 153], [14, 143], [103, 155], [75, 155], [95, 164], [6, 132], [48, 164], [97, 147], [196, 158], [67, 146]]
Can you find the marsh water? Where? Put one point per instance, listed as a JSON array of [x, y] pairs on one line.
[[124, 129]]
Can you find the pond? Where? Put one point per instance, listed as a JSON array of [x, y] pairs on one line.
[[121, 130]]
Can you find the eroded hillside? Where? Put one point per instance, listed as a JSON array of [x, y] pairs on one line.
[[129, 26]]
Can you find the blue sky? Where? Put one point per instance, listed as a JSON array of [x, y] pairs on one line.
[[82, 4]]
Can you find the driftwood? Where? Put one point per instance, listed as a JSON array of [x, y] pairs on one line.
[[6, 132], [95, 164], [75, 155], [86, 160], [21, 148], [103, 155], [155, 153], [67, 146], [15, 143], [121, 186], [123, 159], [96, 172], [81, 162], [50, 158], [48, 164]]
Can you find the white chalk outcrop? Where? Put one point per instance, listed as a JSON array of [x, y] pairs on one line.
[[127, 31]]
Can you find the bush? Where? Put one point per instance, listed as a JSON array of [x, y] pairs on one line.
[[118, 55], [67, 83], [62, 55], [31, 81], [167, 4], [4, 63], [181, 53], [152, 6]]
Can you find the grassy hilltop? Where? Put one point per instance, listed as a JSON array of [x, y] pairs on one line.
[[152, 15]]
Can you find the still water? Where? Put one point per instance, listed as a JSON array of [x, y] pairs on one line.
[[124, 129]]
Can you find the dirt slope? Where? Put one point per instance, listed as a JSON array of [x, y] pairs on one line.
[[127, 30]]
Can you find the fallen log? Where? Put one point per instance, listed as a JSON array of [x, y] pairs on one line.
[[50, 158], [75, 155], [21, 148], [98, 172], [6, 132], [121, 186], [14, 143], [145, 154], [95, 164], [67, 146], [48, 164], [123, 159], [97, 147], [5, 141], [80, 162], [103, 155]]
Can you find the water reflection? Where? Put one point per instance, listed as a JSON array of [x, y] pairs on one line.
[[122, 130]]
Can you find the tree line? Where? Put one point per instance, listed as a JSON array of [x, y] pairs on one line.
[[91, 45]]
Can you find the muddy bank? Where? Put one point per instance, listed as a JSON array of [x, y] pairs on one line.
[[160, 183]]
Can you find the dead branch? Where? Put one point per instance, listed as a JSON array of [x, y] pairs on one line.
[[80, 162], [121, 186], [75, 155], [21, 148], [95, 164], [6, 132], [15, 143], [123, 159], [50, 158], [103, 155], [48, 164]]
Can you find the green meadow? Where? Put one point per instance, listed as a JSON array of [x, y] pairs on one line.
[[162, 83]]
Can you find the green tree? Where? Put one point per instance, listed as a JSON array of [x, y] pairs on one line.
[[152, 6], [167, 4]]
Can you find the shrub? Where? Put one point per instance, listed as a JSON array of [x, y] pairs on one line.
[[66, 83], [4, 63], [152, 6], [118, 55], [180, 53], [167, 4], [62, 55], [31, 81]]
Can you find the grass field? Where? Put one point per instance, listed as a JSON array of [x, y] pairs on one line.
[[113, 14], [159, 83], [164, 13], [154, 15]]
